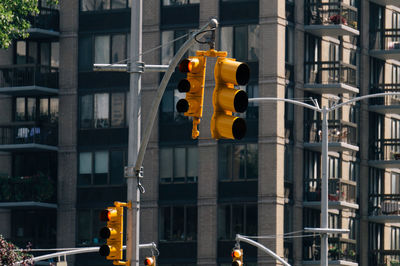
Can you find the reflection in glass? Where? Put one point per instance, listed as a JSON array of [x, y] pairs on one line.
[[102, 49], [101, 115]]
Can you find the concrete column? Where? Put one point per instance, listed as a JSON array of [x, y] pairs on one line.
[[271, 127], [208, 161], [67, 126]]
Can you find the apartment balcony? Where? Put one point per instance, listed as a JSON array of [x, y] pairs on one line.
[[384, 208], [385, 153], [387, 2], [45, 25], [332, 19], [385, 105], [28, 137], [28, 79], [331, 77], [384, 257], [342, 136], [38, 191], [341, 251], [342, 194], [385, 44]]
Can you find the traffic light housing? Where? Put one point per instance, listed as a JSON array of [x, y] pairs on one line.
[[151, 261], [226, 99], [113, 232], [237, 257], [193, 86]]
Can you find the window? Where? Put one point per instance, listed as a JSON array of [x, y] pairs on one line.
[[395, 238], [353, 171], [178, 223], [178, 164], [34, 52], [238, 161], [88, 226], [99, 111], [395, 183], [31, 108], [101, 167], [179, 2], [241, 42], [352, 228], [312, 165], [100, 5], [170, 47], [289, 45], [109, 49], [333, 167], [237, 219]]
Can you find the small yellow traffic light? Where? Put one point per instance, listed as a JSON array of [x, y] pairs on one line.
[[237, 257], [113, 232], [226, 99], [151, 261], [193, 86]]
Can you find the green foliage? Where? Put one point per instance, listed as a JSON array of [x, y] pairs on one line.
[[13, 19], [10, 254]]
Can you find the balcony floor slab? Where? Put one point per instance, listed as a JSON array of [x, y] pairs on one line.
[[332, 88], [336, 205], [27, 205], [331, 262], [332, 146], [385, 109], [384, 218], [392, 54], [31, 147], [387, 2], [334, 30], [28, 91], [38, 33], [384, 164]]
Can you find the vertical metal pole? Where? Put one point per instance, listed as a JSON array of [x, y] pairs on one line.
[[324, 188], [133, 194]]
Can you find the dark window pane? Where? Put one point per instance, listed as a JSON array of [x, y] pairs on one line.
[[32, 53], [166, 170], [84, 222], [117, 109], [53, 109], [192, 164], [96, 225], [45, 54], [191, 224], [44, 108], [165, 223], [100, 167], [237, 220], [179, 164], [21, 52], [253, 42], [85, 53], [225, 161], [117, 4], [251, 220], [86, 111], [101, 110], [239, 155], [241, 43], [93, 5], [117, 167], [20, 109], [31, 109], [102, 49], [178, 224], [85, 168], [55, 54], [224, 222], [252, 161]]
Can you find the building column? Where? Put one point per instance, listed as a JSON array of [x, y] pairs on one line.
[[67, 124], [271, 128]]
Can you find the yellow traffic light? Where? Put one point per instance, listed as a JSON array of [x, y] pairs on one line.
[[237, 257], [226, 99], [151, 261], [193, 86], [113, 232]]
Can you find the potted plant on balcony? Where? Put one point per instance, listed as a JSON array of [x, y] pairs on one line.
[[335, 252]]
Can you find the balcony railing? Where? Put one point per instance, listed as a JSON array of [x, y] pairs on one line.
[[331, 13], [28, 75], [338, 190], [47, 135], [330, 72], [339, 249], [338, 131], [385, 257], [38, 188], [385, 150], [385, 39], [384, 204], [48, 19], [387, 100]]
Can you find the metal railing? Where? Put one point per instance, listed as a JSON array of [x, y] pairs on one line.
[[331, 13], [39, 188], [22, 134], [385, 257], [28, 75], [339, 249], [385, 88], [47, 19], [385, 149], [385, 39], [338, 190], [384, 204], [328, 72], [338, 131]]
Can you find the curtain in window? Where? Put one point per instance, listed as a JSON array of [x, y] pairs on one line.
[[101, 106], [117, 109], [102, 50]]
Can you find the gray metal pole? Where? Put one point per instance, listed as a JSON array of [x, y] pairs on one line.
[[133, 193], [324, 188]]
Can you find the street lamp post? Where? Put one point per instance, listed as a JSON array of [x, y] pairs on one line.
[[324, 230]]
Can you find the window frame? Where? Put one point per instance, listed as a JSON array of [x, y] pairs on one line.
[[185, 232]]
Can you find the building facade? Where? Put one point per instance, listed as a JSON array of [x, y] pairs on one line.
[[64, 131]]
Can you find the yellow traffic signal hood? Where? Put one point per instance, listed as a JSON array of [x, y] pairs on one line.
[[190, 65], [231, 71]]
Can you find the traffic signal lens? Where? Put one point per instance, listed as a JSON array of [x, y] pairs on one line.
[[185, 66], [182, 106], [236, 254], [105, 216], [184, 85], [243, 74], [148, 261], [106, 232], [241, 101], [104, 250], [237, 263], [239, 128]]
